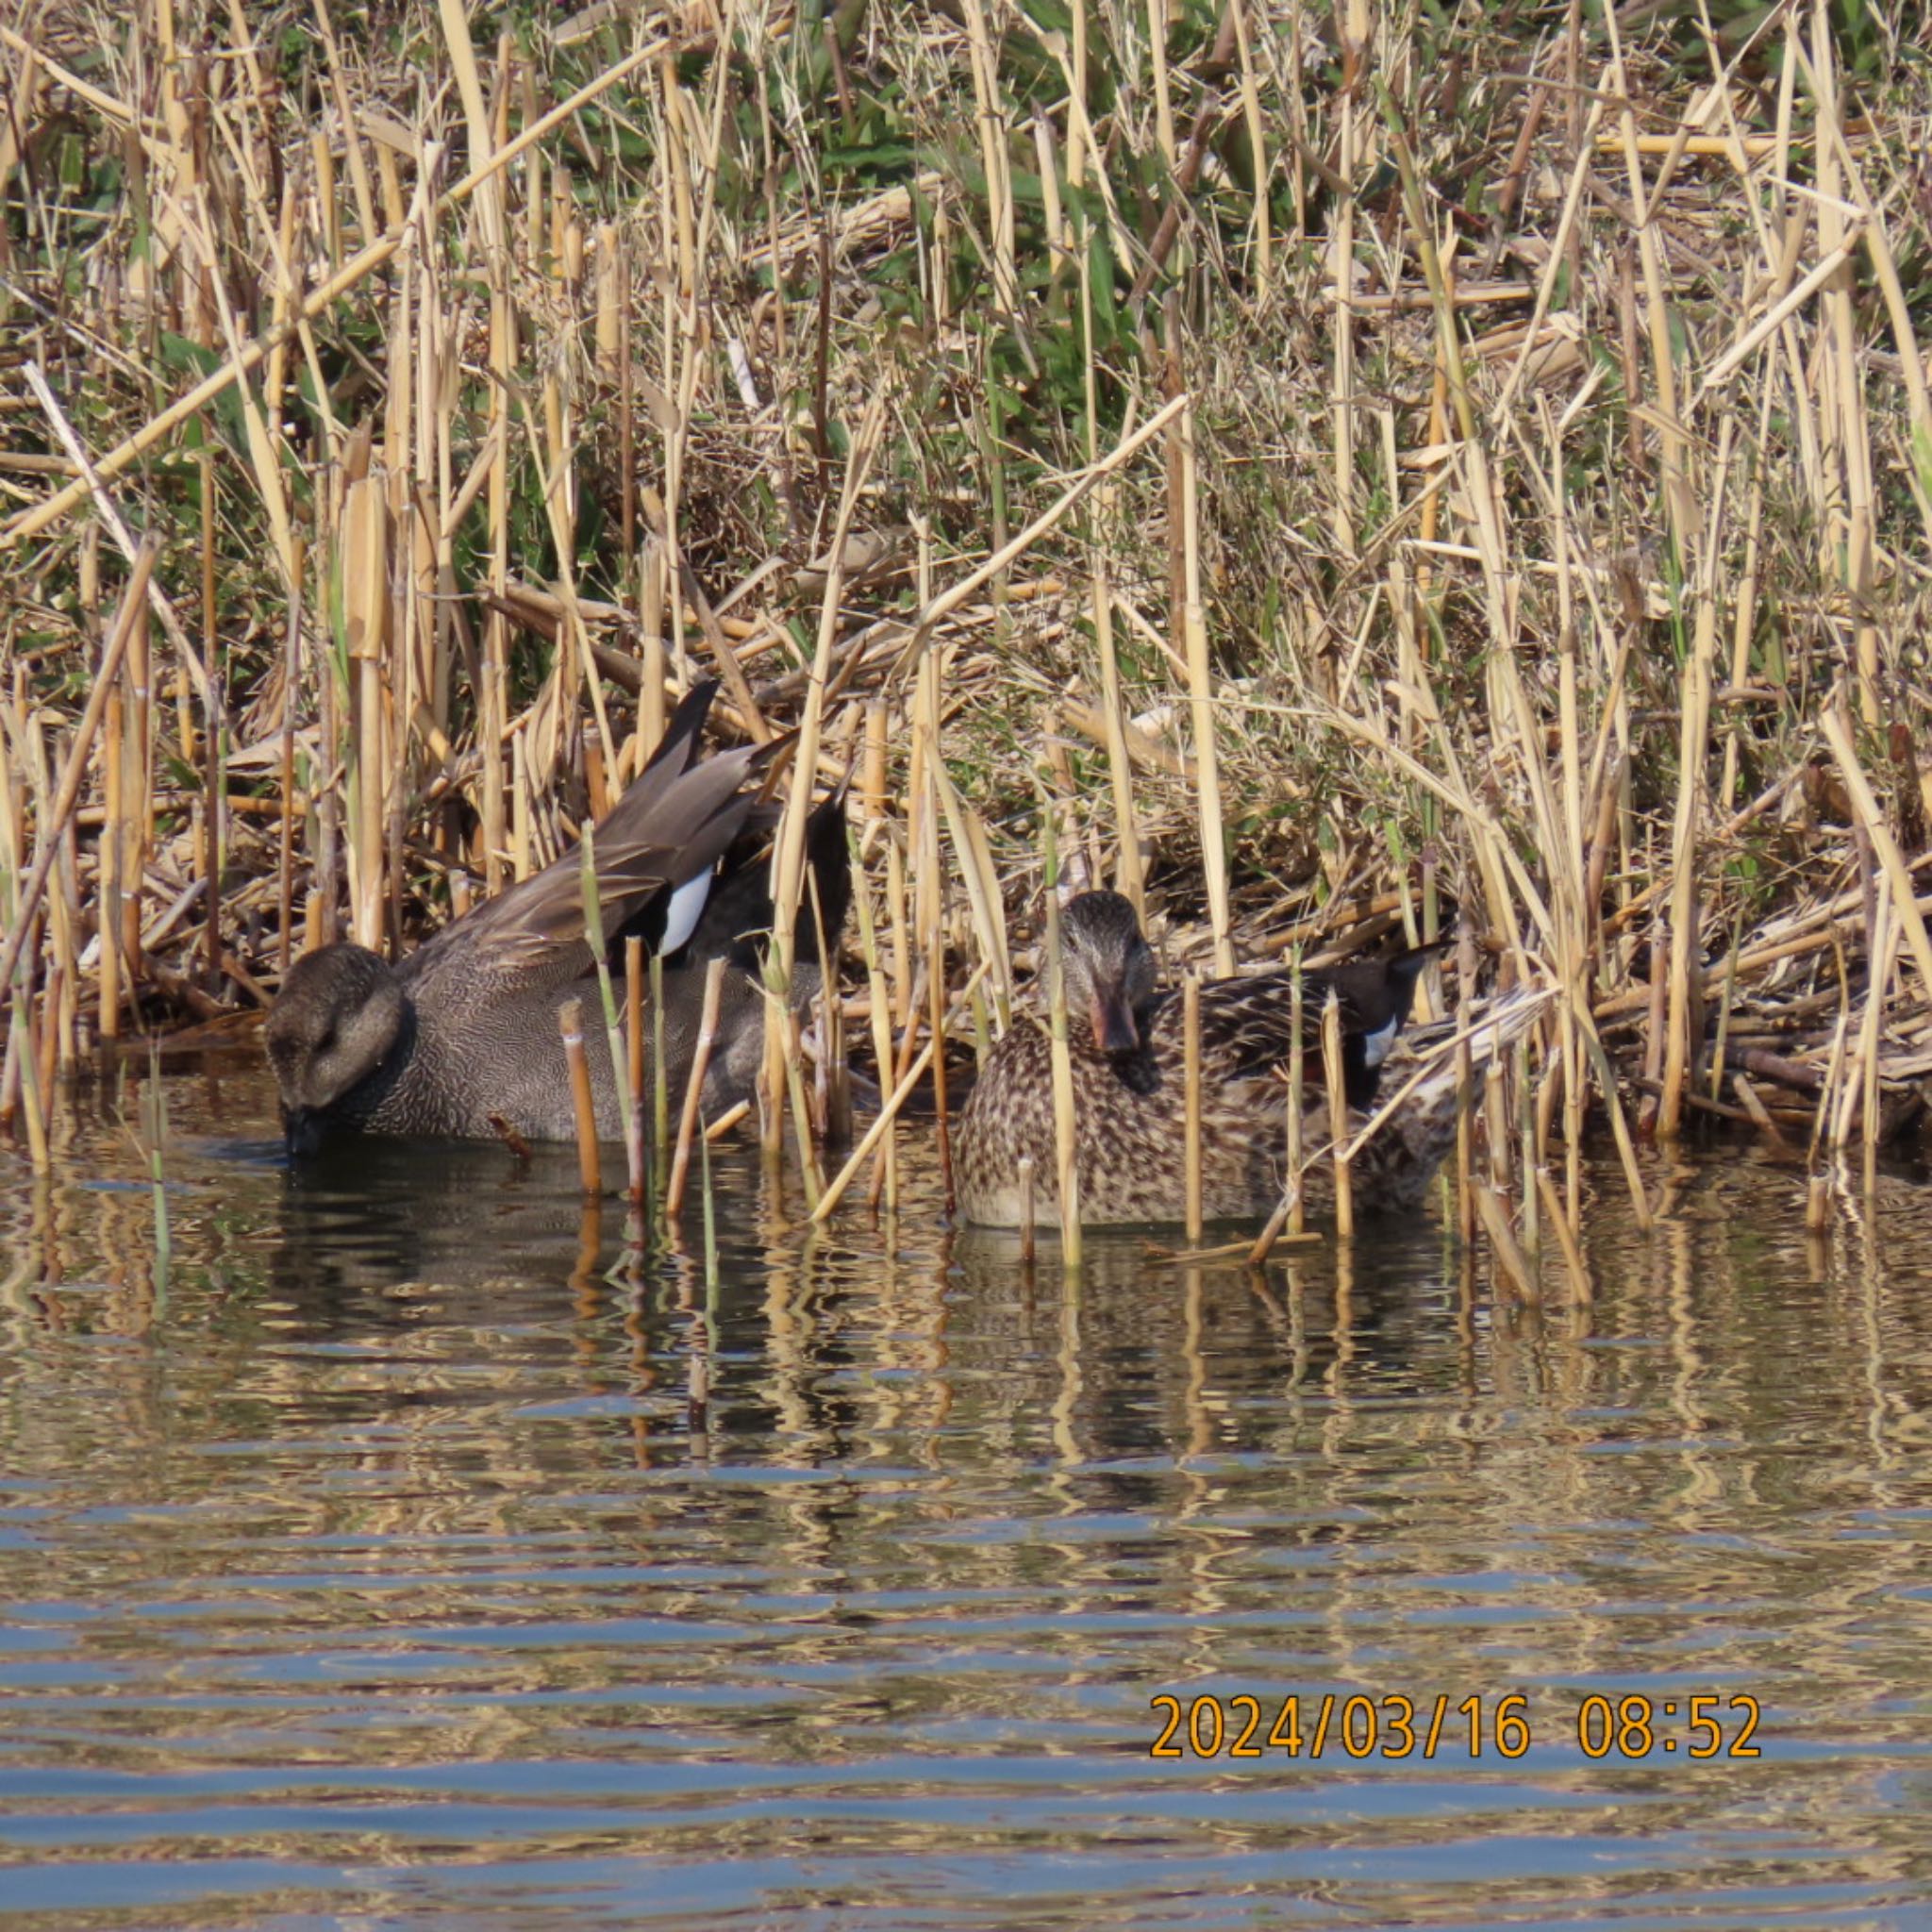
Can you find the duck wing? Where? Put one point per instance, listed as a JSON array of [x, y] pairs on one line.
[[658, 842], [1247, 1025], [738, 915]]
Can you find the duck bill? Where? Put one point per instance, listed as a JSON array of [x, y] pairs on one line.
[[1115, 1030], [301, 1132]]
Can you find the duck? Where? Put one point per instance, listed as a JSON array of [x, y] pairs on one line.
[[1126, 1043], [460, 1039]]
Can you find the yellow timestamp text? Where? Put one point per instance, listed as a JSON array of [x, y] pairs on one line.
[[1246, 1727]]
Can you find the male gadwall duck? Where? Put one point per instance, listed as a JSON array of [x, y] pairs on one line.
[[463, 1034], [1125, 1043]]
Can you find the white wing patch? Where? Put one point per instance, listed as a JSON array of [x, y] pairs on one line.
[[686, 909], [1375, 1045]]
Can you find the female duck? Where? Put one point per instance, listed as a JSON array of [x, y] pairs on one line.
[[1124, 1039]]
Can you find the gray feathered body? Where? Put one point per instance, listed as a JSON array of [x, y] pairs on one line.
[[463, 1036]]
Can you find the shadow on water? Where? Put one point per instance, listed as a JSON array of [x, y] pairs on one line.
[[417, 1551]]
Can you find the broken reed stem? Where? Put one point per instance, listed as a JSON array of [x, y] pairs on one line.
[[1566, 1236], [24, 1058], [1336, 1080], [634, 1022], [1029, 1233], [1127, 875], [886, 1177], [1065, 1129], [833, 1194], [49, 835], [1298, 1095], [157, 1137], [1525, 1121], [1465, 1092], [936, 1000], [316, 303], [291, 685], [569, 1022], [694, 1086], [108, 986], [613, 1029], [1510, 1258], [1201, 704], [660, 1074], [1190, 1072]]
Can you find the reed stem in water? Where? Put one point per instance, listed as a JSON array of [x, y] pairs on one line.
[[695, 1086], [1066, 1146], [1298, 1095], [1337, 1116], [570, 1022], [1191, 1066], [614, 1029]]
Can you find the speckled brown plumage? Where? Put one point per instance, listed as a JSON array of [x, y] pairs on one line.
[[1126, 1050]]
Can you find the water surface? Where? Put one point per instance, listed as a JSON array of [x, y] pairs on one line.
[[406, 1557]]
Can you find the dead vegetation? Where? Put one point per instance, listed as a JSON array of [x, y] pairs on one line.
[[1348, 470]]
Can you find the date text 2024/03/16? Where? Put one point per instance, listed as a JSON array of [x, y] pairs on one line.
[[1239, 1727]]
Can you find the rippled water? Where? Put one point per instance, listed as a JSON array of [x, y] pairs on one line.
[[379, 1566]]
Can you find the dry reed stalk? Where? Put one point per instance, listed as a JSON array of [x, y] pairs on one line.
[[569, 1022], [1686, 913], [110, 925], [1260, 225], [627, 1095], [1837, 730], [1817, 1204], [1465, 1092], [886, 1177], [1679, 506], [1653, 1029], [46, 1071], [23, 1053], [362, 580], [1354, 29], [660, 1073], [1191, 1073], [291, 684], [633, 1021], [1526, 1125], [828, 1201], [971, 849], [494, 157], [51, 831], [936, 611], [789, 852], [1496, 1127], [1295, 1221], [1065, 1129], [1553, 1207], [1515, 1265], [652, 567], [695, 1086], [907, 1051], [1335, 1082], [1201, 695], [1128, 879], [1028, 1233]]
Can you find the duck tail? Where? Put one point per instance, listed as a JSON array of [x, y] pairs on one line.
[[1407, 1136]]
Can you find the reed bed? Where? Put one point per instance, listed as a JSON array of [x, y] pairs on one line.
[[1332, 472]]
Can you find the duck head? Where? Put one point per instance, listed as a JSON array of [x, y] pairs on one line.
[[335, 1020], [1109, 968]]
